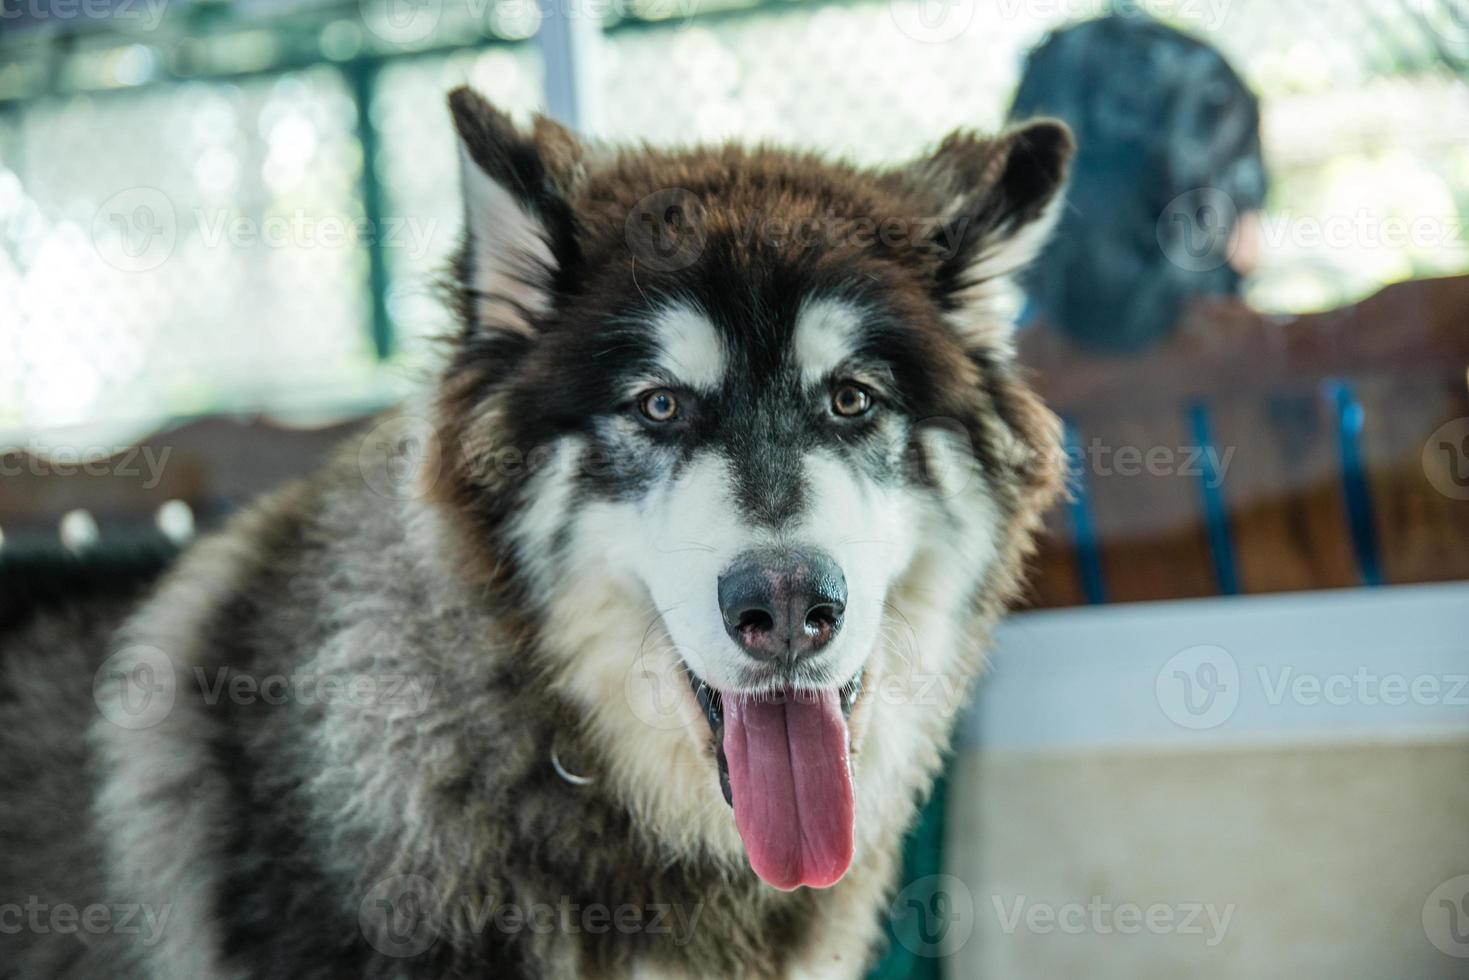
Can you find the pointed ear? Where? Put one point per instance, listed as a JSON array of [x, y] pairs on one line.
[[519, 228], [997, 201]]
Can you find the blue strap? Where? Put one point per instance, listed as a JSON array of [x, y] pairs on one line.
[[1083, 524], [1355, 488], [1216, 514]]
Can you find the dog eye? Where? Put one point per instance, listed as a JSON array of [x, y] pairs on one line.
[[851, 401], [659, 406]]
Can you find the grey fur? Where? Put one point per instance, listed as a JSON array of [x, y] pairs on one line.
[[322, 746]]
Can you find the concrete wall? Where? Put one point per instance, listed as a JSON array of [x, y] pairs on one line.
[[1301, 862]]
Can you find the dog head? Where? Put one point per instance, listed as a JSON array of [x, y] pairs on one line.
[[731, 405]]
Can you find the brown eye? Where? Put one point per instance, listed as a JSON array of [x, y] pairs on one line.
[[850, 401], [659, 406]]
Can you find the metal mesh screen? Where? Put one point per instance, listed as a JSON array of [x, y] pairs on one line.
[[182, 249], [419, 169], [1364, 120], [177, 247]]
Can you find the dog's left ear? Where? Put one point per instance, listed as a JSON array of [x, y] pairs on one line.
[[520, 240], [996, 202]]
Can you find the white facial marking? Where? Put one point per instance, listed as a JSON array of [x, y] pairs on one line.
[[511, 255], [548, 498], [871, 532], [689, 347], [678, 542], [826, 335], [684, 535]]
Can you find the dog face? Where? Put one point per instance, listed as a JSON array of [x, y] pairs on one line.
[[732, 399]]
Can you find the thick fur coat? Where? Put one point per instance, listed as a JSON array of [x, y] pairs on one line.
[[427, 713]]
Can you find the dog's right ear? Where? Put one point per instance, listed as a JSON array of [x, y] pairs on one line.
[[520, 241]]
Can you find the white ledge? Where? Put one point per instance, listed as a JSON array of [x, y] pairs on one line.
[[1345, 665]]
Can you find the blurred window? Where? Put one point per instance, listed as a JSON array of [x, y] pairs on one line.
[[166, 187]]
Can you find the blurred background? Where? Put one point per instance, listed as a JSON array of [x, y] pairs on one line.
[[1238, 696]]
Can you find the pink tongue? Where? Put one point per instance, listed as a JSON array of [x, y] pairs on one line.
[[792, 787]]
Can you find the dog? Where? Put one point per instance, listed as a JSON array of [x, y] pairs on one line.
[[629, 650]]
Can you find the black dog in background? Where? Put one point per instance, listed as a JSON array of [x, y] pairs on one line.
[[1167, 172]]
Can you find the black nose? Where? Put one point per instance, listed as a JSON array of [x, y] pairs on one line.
[[783, 605]]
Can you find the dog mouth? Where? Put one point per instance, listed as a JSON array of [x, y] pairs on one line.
[[784, 767]]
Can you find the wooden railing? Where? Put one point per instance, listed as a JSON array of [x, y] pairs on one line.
[[1322, 471], [214, 465], [1318, 428]]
